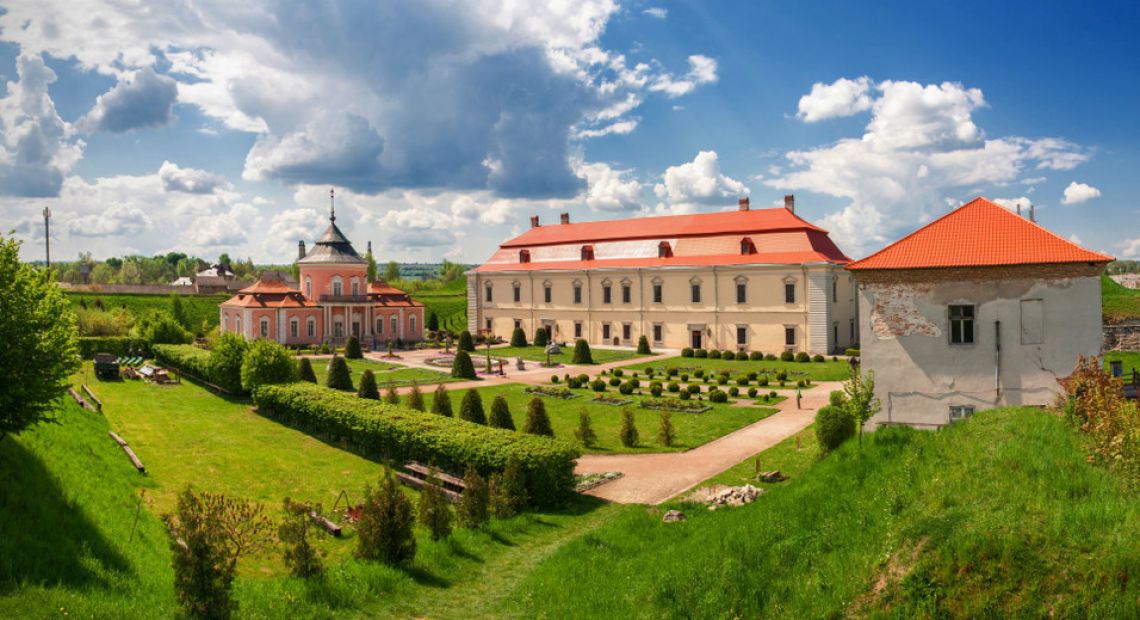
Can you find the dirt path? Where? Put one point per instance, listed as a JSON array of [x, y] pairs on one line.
[[654, 478]]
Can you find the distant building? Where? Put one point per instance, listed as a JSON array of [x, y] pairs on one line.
[[751, 279], [978, 309], [182, 281], [1127, 280], [335, 301], [216, 279]]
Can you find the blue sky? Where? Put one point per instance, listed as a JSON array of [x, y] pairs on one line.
[[212, 127]]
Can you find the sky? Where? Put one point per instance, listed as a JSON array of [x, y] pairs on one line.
[[213, 127]]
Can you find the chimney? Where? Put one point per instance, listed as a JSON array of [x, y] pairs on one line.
[[744, 203], [369, 247], [1019, 208], [534, 221], [565, 218], [1032, 215], [790, 202], [300, 250]]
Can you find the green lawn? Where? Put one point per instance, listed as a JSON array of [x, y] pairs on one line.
[[1118, 303], [816, 371], [692, 429], [1131, 361], [537, 354], [793, 457], [387, 374], [198, 308]]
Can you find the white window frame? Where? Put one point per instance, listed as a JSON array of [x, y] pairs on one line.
[[263, 326], [294, 327], [312, 327], [308, 287], [961, 412], [337, 286]]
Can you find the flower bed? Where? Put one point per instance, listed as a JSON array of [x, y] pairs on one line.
[[610, 400], [585, 482], [563, 393], [674, 404]]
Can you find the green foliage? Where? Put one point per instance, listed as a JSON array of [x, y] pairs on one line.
[[39, 336], [540, 337], [518, 337], [643, 346], [787, 356], [432, 322], [305, 371], [585, 432], [666, 434], [714, 354], [465, 341], [728, 355], [537, 422], [687, 352], [700, 353], [582, 353], [441, 402], [119, 345], [416, 398], [851, 352], [861, 404], [266, 362], [628, 431], [178, 312], [471, 407], [802, 357], [836, 398], [161, 328], [226, 358], [508, 490], [392, 271], [391, 397], [474, 504], [338, 376], [461, 366], [302, 558], [434, 512], [817, 358], [718, 396], [833, 426], [1095, 404], [367, 387], [352, 349], [385, 530], [598, 385], [501, 414]]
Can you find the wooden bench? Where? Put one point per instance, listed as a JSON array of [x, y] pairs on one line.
[[420, 483], [446, 480]]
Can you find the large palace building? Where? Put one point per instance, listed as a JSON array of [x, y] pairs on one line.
[[335, 301], [752, 279]]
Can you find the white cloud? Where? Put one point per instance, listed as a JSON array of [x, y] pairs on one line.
[[188, 180], [1076, 193], [1076, 239], [843, 97], [1131, 249], [1013, 204], [702, 70], [618, 128], [141, 100], [610, 190], [657, 12], [698, 182]]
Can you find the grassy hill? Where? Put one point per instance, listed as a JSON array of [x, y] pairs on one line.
[[198, 308], [1118, 303], [448, 302], [999, 516]]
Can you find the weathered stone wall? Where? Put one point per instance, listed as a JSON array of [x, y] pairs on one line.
[[1122, 337]]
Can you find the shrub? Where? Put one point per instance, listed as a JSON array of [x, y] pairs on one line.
[[572, 383], [617, 372], [684, 395], [465, 341], [541, 339], [119, 345], [585, 432], [415, 397], [384, 532], [655, 389], [756, 356], [391, 397], [787, 356], [674, 386], [714, 354], [818, 358], [666, 434], [302, 558], [734, 391], [473, 503], [305, 370], [461, 366], [836, 398], [625, 389], [802, 357], [743, 380], [728, 355], [772, 394], [554, 379], [833, 426], [781, 375], [368, 386], [698, 373], [266, 362], [762, 380], [598, 385], [628, 431], [338, 377], [752, 392], [583, 378], [501, 414], [471, 408], [684, 377], [722, 380], [518, 337], [643, 346], [701, 353], [508, 490], [537, 422], [635, 382], [717, 396], [582, 353], [687, 352], [614, 382], [441, 402], [225, 362], [433, 511], [852, 352], [162, 328], [325, 350], [352, 349], [800, 383], [770, 357], [751, 376], [694, 389]]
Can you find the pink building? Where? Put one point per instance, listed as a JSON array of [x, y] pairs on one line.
[[335, 301]]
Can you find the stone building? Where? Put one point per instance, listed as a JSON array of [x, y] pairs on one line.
[[978, 309], [750, 279]]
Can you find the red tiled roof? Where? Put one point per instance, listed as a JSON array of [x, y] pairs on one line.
[[978, 234], [269, 285], [669, 226]]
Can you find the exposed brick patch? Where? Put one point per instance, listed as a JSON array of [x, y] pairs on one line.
[[895, 314]]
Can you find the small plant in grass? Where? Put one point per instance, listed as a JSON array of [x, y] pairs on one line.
[[518, 337], [861, 403], [338, 375], [540, 337], [818, 358], [390, 396], [802, 357], [302, 558], [655, 388], [415, 397], [762, 380], [781, 375], [836, 398], [717, 396], [352, 349], [501, 414], [385, 530], [752, 392], [674, 386], [772, 394], [471, 408], [554, 379], [643, 346], [305, 371], [368, 386], [461, 366], [734, 391], [582, 353], [666, 434], [508, 490], [433, 511], [625, 388], [756, 356], [685, 395], [472, 511], [628, 431], [700, 353], [325, 350], [441, 402], [466, 343], [585, 432], [537, 422]]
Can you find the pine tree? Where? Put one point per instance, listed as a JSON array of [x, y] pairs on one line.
[[582, 353], [643, 346], [368, 386], [508, 490], [385, 530], [338, 375], [473, 504], [441, 402], [666, 434], [501, 414], [585, 432], [471, 408], [465, 341], [518, 337], [537, 422], [434, 512], [302, 558], [390, 396], [628, 432], [352, 349], [433, 322], [461, 367], [416, 398], [305, 371]]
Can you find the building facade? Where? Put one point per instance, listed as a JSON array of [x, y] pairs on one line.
[[979, 309], [332, 301], [752, 279]]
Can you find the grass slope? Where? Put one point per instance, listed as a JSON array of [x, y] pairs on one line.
[[998, 516], [1118, 303], [198, 308], [448, 302]]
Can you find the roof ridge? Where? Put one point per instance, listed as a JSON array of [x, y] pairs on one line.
[[917, 230]]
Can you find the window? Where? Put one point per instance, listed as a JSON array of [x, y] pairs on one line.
[[1032, 321], [338, 286], [577, 329], [294, 327], [489, 324], [962, 324], [834, 334], [355, 287], [657, 292], [338, 328], [547, 292], [789, 292], [657, 332], [741, 335], [412, 324], [489, 297], [577, 292], [518, 323], [380, 326], [960, 412], [664, 250], [626, 295], [524, 256], [746, 246], [741, 292], [605, 331], [225, 323], [395, 322], [264, 327], [835, 290], [312, 327], [308, 286], [789, 336], [517, 288], [606, 294], [587, 252], [237, 323], [696, 292], [626, 331]]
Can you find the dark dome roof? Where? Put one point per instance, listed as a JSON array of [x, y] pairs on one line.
[[332, 247]]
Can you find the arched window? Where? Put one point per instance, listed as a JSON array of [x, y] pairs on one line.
[[237, 325], [517, 286], [587, 252], [264, 327], [337, 286], [412, 324], [746, 246], [308, 287], [355, 286], [312, 326], [664, 250], [380, 326], [395, 326], [294, 327], [524, 256], [225, 323]]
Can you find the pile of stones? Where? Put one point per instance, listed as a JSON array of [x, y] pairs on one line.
[[734, 496]]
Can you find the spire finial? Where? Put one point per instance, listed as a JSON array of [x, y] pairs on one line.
[[332, 205]]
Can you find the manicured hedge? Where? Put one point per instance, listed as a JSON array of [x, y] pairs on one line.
[[196, 362], [119, 345], [400, 434]]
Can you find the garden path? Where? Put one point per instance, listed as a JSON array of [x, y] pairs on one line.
[[654, 478]]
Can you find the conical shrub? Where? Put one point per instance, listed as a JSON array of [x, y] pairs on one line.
[[352, 349], [585, 432], [305, 371], [368, 386], [537, 422], [441, 402], [643, 346], [465, 341], [433, 511], [390, 396], [338, 377], [471, 408], [582, 353], [628, 431], [473, 504], [666, 434], [416, 398], [385, 531], [540, 337], [461, 367], [518, 337], [501, 414]]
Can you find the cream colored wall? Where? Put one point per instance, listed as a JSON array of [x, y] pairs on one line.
[[764, 312]]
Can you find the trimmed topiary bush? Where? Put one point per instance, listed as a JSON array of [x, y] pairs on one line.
[[391, 397], [752, 392], [368, 386], [643, 346], [674, 386], [734, 391], [713, 355], [833, 426], [441, 402], [802, 357], [717, 396], [266, 362], [537, 422], [582, 353], [554, 379], [655, 389], [598, 385], [415, 397], [787, 356], [625, 389], [338, 376], [700, 353], [465, 341], [687, 352], [540, 337], [305, 370], [471, 408], [852, 352], [628, 431], [352, 349], [684, 395], [756, 356], [614, 382], [518, 337], [501, 414], [461, 366], [728, 355], [818, 358]]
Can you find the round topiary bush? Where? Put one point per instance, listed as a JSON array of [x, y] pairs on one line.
[[617, 372], [685, 377], [752, 392], [727, 355], [687, 352], [714, 354], [598, 385], [614, 381], [734, 391], [582, 353], [701, 353], [672, 372], [787, 356], [781, 375], [818, 358], [762, 380], [772, 394], [833, 426], [626, 388], [800, 383], [461, 366], [717, 396], [698, 373], [756, 356], [674, 386], [802, 357], [684, 395], [352, 349], [743, 381], [338, 377], [518, 337], [694, 389], [554, 379], [655, 389]]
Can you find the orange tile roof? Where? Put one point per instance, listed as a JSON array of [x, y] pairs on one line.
[[666, 227], [978, 234], [269, 285]]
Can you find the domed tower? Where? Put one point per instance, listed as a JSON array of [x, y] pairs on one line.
[[333, 275]]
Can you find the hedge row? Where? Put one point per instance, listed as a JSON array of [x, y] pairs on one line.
[[375, 428], [190, 360], [119, 345]]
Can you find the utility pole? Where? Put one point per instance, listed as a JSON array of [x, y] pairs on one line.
[[47, 236]]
